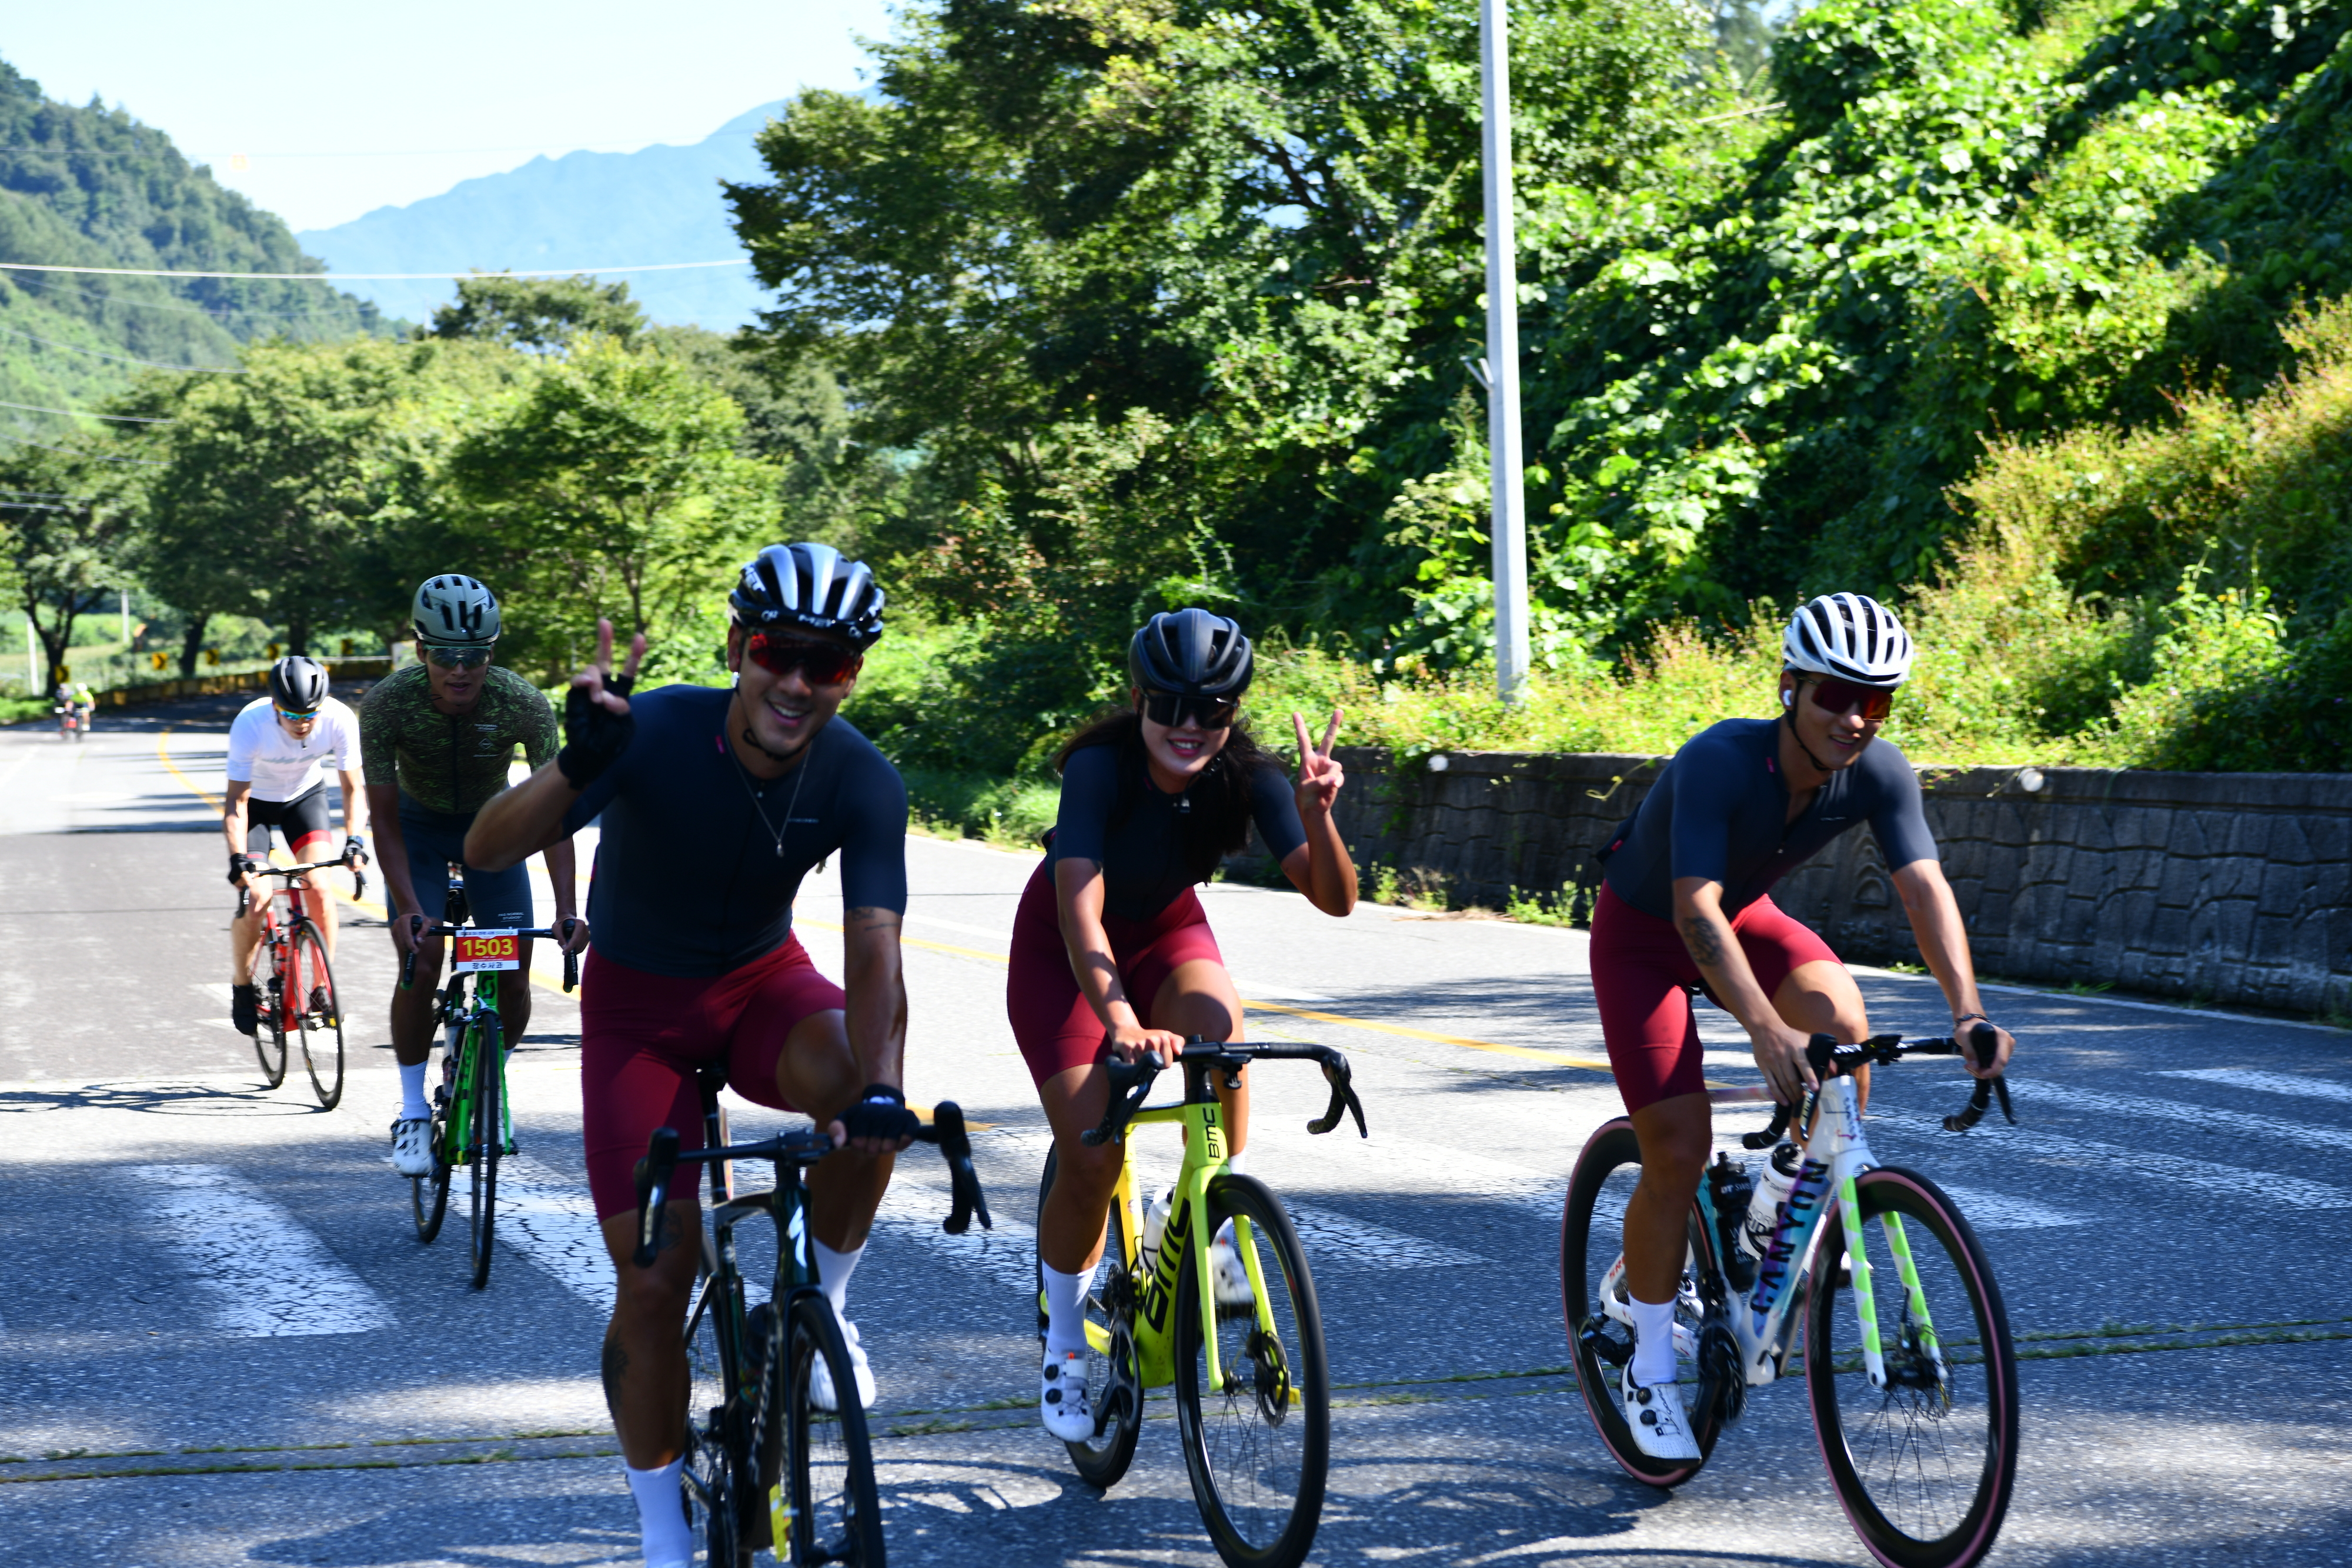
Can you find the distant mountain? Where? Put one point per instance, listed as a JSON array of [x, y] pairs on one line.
[[93, 187], [583, 209]]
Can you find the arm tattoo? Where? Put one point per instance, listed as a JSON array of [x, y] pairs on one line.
[[1706, 946], [870, 919]]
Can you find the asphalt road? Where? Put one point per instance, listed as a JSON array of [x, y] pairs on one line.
[[221, 1344]]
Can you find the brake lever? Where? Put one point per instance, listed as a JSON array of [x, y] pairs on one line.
[[1343, 1093], [653, 1175], [965, 1196], [1131, 1083], [1771, 1134]]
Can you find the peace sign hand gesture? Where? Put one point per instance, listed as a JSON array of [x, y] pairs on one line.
[[1320, 775], [597, 724]]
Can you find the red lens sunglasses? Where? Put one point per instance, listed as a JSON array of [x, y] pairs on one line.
[[820, 663], [1843, 697]]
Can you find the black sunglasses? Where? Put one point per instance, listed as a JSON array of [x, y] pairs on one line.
[[1168, 709], [820, 663], [457, 658]]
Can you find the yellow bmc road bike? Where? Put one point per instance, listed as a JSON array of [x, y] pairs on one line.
[[1253, 1387], [294, 985], [1906, 1348]]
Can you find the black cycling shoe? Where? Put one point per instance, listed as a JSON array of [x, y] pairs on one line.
[[244, 1008]]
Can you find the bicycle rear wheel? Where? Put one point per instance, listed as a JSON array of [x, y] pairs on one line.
[[1259, 1448], [1925, 1466], [1114, 1385], [317, 1013], [485, 1141], [828, 1476], [270, 1016], [1592, 1302]]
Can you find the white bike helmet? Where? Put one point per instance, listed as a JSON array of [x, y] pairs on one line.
[[1849, 637], [455, 611]]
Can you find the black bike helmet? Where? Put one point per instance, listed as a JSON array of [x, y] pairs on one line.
[[808, 585], [297, 684], [1190, 653]]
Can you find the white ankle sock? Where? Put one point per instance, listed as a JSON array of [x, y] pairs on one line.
[[661, 1515], [832, 1272], [413, 1107], [1066, 1309], [1654, 1341], [1238, 1162]]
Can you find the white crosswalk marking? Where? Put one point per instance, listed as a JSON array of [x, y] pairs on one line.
[[2000, 1211], [267, 1274], [1337, 1241], [2269, 1082], [550, 1219], [2178, 1170], [2207, 1116], [913, 1209]]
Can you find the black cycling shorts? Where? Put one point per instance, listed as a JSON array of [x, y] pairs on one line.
[[307, 816]]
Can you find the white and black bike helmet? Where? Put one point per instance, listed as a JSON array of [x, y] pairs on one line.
[[1848, 637], [456, 611], [809, 586], [1190, 653], [297, 684]]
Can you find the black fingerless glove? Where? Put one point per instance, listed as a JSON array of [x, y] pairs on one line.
[[881, 1112], [240, 866], [593, 735]]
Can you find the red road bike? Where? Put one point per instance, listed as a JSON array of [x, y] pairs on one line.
[[294, 987]]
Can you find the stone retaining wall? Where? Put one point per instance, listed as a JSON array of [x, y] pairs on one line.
[[2235, 888]]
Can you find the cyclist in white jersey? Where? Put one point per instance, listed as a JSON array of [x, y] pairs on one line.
[[280, 748]]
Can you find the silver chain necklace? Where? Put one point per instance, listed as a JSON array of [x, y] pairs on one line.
[[800, 777]]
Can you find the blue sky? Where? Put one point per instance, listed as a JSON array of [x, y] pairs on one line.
[[341, 111]]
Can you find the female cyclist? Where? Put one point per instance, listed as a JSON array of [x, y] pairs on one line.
[[1111, 952]]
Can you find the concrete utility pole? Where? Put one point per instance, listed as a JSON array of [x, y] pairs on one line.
[[1509, 527]]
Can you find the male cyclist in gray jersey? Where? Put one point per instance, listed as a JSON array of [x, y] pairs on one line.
[[1686, 907]]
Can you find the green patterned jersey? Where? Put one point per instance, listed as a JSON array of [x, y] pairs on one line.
[[452, 763]]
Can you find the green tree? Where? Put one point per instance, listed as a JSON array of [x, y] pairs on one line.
[[542, 314], [62, 529]]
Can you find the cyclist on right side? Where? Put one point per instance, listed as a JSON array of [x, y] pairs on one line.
[[1685, 907]]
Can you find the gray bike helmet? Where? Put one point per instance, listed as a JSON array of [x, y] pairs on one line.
[[809, 586], [1190, 653], [456, 611], [1851, 637], [297, 684]]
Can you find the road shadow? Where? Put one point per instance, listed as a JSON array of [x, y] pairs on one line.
[[160, 1098]]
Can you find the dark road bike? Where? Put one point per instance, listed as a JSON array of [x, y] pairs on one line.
[[293, 983], [766, 1466], [1906, 1347]]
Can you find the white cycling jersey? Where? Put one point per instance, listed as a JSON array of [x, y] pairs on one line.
[[280, 768]]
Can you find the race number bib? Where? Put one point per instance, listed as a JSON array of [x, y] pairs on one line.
[[487, 950]]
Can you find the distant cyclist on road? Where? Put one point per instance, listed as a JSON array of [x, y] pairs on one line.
[[281, 749], [714, 804], [1686, 906], [1112, 954], [438, 736]]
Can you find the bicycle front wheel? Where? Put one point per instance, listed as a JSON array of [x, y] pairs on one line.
[[317, 1013], [1593, 1298], [1114, 1381], [270, 1016], [485, 1141], [717, 1501], [1925, 1465], [828, 1472], [1258, 1443]]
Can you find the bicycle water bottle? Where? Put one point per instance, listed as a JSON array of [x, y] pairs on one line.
[[1796, 1213], [1773, 1180], [1155, 1225], [1733, 1190]]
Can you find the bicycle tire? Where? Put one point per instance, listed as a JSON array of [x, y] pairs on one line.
[[1258, 1453], [836, 1515], [1924, 1468], [270, 1016], [321, 1028], [1591, 1270], [716, 1504], [1114, 1384], [485, 1143]]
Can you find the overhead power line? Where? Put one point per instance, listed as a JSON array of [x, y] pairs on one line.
[[70, 452], [213, 312], [86, 413], [125, 359], [380, 277]]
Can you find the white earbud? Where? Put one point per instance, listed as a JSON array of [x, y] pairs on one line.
[[1787, 698]]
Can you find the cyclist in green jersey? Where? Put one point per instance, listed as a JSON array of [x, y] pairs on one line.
[[436, 741]]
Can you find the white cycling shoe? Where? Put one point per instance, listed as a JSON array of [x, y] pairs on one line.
[[412, 1146], [1226, 1268], [1062, 1397], [821, 1392], [1661, 1428]]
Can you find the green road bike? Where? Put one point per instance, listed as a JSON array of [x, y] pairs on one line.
[[473, 1124], [767, 1465], [1252, 1382], [1906, 1347]]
